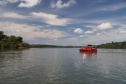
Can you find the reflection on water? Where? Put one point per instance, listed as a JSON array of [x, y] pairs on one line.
[[9, 56], [87, 55], [62, 66], [11, 64]]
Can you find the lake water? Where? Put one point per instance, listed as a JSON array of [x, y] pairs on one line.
[[62, 66]]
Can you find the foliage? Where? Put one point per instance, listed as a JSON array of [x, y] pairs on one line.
[[10, 41], [114, 45], [24, 44]]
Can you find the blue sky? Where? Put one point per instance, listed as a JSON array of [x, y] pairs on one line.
[[64, 22]]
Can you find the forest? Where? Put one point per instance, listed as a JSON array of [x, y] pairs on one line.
[[11, 41], [113, 45]]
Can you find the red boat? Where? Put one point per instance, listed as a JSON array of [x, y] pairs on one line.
[[89, 48]]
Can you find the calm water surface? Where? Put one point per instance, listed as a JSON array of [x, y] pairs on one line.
[[62, 66]]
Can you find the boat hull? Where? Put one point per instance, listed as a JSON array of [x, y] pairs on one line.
[[88, 49]]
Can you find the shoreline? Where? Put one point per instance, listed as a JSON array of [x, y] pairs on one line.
[[15, 48]]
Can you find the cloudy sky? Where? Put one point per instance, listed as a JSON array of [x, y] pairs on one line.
[[64, 22]]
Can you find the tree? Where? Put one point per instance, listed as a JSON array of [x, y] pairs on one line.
[[24, 44], [114, 45], [1, 34], [19, 39], [11, 41]]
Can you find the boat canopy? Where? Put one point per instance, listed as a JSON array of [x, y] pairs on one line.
[[87, 45]]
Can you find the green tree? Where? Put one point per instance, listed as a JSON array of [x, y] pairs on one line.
[[13, 41], [1, 34], [24, 44], [19, 39]]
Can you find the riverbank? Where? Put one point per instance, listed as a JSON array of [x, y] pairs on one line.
[[52, 46], [113, 45], [14, 47]]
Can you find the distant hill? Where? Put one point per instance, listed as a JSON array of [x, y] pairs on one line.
[[113, 45]]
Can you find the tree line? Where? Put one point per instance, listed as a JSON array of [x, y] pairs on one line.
[[114, 45], [51, 46], [11, 41]]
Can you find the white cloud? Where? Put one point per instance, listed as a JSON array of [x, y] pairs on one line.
[[22, 3], [98, 34], [107, 36], [67, 41], [3, 2], [122, 32], [81, 36], [89, 32], [104, 26], [30, 32], [78, 30], [50, 19], [89, 26], [29, 3], [13, 15], [59, 4], [112, 7]]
